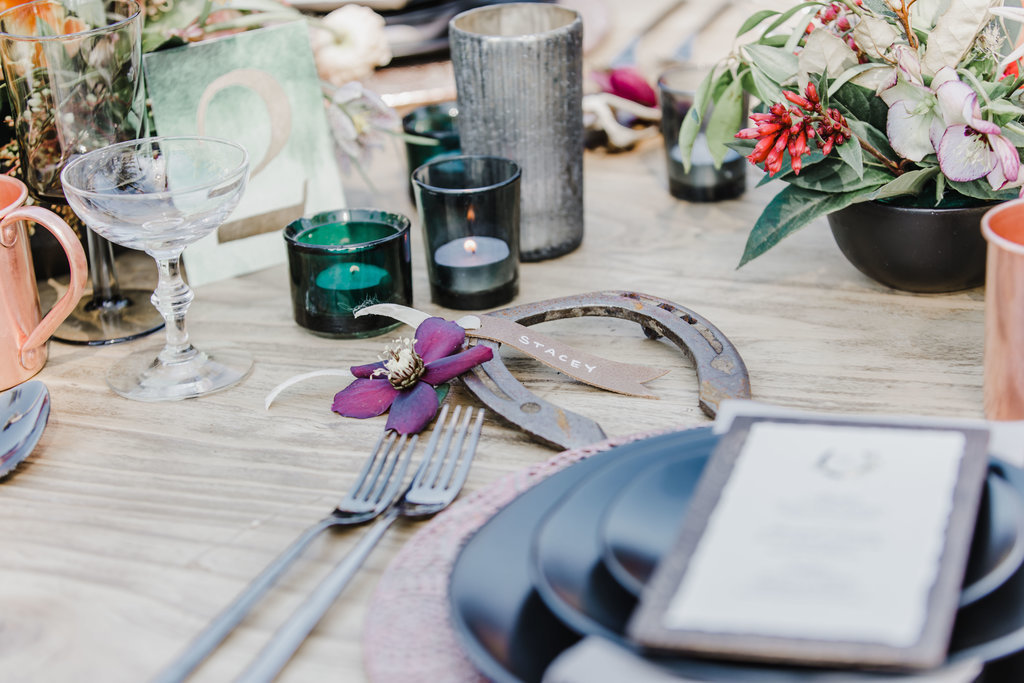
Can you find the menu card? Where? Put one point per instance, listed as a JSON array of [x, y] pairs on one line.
[[821, 542]]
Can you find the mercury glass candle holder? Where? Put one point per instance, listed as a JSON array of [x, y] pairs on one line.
[[469, 210], [340, 261]]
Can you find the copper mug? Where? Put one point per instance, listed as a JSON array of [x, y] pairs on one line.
[[24, 330], [1003, 228]]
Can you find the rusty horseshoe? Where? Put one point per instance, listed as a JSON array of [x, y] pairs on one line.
[[721, 372]]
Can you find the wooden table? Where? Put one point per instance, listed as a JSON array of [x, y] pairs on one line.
[[133, 524]]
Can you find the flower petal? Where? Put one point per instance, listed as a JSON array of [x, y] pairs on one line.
[[366, 370], [907, 136], [365, 398], [957, 102], [1007, 170], [964, 155], [444, 369], [437, 338], [630, 84], [413, 409]]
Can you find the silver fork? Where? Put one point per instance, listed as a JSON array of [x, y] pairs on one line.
[[437, 482], [375, 489]]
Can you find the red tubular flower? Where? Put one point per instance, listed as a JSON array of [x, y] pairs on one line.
[[781, 130], [801, 102], [797, 148], [404, 382]]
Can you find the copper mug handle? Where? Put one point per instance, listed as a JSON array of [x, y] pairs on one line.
[[79, 273]]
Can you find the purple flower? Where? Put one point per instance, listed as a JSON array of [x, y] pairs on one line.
[[405, 378]]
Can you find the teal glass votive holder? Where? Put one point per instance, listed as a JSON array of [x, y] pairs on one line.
[[469, 209], [340, 261], [436, 122]]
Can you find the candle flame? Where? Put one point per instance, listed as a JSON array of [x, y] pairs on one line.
[[471, 215], [469, 246]]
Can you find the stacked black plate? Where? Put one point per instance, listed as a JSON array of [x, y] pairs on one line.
[[570, 556]]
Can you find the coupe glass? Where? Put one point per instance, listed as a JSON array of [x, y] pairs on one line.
[[73, 72], [159, 195]]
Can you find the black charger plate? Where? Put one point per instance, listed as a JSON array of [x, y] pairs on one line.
[[632, 546], [511, 634]]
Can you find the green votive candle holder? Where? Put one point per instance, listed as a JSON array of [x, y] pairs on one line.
[[435, 122], [340, 261]]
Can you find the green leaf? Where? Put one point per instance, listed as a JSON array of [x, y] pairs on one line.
[[786, 171], [850, 152], [849, 74], [782, 18], [725, 120], [790, 210], [873, 137], [835, 175], [776, 62], [1005, 108], [765, 88], [911, 182], [799, 29], [980, 189], [691, 122], [861, 104], [754, 20], [1014, 132]]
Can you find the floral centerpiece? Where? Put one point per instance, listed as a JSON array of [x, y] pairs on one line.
[[894, 100]]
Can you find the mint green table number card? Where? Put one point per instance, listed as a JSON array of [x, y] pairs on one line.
[[259, 89]]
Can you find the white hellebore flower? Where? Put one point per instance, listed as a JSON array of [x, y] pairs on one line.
[[971, 147], [914, 124], [348, 44]]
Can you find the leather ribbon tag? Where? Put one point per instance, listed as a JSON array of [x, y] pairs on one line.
[[622, 378]]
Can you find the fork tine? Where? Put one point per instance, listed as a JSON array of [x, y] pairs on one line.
[[444, 450], [454, 452], [384, 469], [363, 477], [428, 454], [402, 460], [467, 454]]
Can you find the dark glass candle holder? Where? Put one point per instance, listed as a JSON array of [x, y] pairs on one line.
[[469, 209], [340, 261], [438, 123], [703, 182]]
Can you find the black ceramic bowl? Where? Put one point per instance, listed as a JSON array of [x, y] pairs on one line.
[[913, 249]]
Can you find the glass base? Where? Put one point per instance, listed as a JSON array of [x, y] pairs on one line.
[[474, 301], [95, 323], [142, 376]]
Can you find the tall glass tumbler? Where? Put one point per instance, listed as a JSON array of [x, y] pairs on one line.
[[703, 182], [74, 77], [519, 77]]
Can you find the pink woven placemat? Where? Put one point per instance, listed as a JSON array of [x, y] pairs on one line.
[[408, 635]]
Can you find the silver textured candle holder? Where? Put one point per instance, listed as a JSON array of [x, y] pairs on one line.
[[519, 76]]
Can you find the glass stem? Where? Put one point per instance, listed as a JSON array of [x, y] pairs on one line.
[[172, 298]]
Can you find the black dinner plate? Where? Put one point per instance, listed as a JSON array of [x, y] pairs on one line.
[[632, 545], [512, 635]]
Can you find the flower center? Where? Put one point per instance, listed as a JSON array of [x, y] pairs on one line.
[[402, 364]]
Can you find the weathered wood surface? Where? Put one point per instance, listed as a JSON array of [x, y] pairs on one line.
[[133, 524]]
